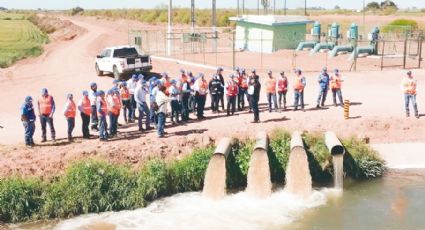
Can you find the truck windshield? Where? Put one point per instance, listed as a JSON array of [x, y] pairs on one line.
[[125, 52]]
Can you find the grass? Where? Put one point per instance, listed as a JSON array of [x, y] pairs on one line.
[[19, 39], [93, 186], [400, 26]]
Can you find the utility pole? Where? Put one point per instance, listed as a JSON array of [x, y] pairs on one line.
[[170, 27], [214, 25], [364, 17], [238, 8], [305, 7], [284, 7], [192, 18], [274, 7], [258, 7], [243, 6]]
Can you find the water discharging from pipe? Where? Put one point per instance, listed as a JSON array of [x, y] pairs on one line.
[[259, 182], [298, 178], [338, 164], [215, 178]]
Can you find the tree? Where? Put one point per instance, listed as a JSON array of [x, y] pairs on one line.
[[373, 6], [3, 8], [337, 7], [76, 10], [387, 4], [265, 4]]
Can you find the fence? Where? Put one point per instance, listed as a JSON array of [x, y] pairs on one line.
[[224, 49]]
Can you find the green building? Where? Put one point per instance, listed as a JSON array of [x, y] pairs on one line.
[[269, 33]]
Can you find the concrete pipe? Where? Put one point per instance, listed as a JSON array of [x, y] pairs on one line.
[[296, 140], [223, 147], [261, 141], [334, 145]]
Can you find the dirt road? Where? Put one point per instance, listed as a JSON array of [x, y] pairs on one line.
[[67, 67]]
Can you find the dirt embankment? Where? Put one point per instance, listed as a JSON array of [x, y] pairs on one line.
[[67, 67]]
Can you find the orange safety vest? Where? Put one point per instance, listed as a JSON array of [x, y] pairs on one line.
[[71, 110], [103, 106], [167, 85], [282, 85], [125, 94], [232, 89], [117, 107], [271, 85], [298, 84], [46, 105], [203, 86], [86, 106], [335, 82], [409, 87], [243, 83]]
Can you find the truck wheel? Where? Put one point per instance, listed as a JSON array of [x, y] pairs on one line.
[[117, 75], [98, 72]]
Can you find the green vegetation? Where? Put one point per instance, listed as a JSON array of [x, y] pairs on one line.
[[97, 186], [19, 39], [400, 26]]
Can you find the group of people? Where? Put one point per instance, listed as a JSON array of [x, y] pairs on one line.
[[183, 95]]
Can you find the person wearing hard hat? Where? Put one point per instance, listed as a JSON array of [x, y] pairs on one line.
[[220, 75], [335, 85], [93, 102], [243, 87], [126, 102], [102, 111], [161, 100], [271, 91], [28, 120], [174, 94], [186, 96], [114, 108], [408, 86], [131, 85], [84, 106], [69, 112], [153, 90], [201, 90], [251, 79], [166, 81], [140, 97], [231, 94], [282, 89], [192, 100], [115, 84], [46, 109], [299, 86], [323, 81], [215, 88], [254, 89]]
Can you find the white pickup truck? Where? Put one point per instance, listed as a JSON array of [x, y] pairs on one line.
[[121, 61]]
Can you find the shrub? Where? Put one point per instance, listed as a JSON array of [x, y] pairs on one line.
[[76, 10], [151, 182], [20, 199], [92, 186], [400, 26], [319, 158], [279, 150], [188, 174], [360, 161]]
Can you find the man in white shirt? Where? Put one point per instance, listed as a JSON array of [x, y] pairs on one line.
[[131, 85], [408, 86], [161, 100], [93, 102], [140, 98]]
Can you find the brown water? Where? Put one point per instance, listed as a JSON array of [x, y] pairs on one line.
[[259, 181], [338, 164], [215, 178], [298, 178]]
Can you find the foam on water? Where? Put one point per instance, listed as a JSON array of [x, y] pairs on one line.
[[259, 181], [194, 211]]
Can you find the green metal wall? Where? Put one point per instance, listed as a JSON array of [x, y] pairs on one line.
[[288, 36]]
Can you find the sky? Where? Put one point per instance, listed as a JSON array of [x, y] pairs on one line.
[[110, 4]]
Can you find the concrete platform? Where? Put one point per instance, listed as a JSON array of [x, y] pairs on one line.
[[402, 155]]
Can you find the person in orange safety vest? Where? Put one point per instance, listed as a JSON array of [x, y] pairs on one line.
[[271, 91], [335, 86], [84, 106], [232, 91], [46, 109], [408, 86], [102, 110], [70, 111], [282, 89]]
